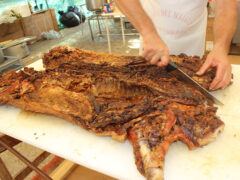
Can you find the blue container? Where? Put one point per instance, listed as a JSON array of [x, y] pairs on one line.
[[108, 8]]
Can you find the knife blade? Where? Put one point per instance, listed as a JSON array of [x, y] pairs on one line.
[[173, 68]]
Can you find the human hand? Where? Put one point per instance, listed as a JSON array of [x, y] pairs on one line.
[[155, 50], [219, 59]]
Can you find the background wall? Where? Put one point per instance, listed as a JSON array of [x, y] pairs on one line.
[[5, 3]]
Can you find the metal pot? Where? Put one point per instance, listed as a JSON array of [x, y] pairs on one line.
[[20, 50], [95, 5], [1, 56]]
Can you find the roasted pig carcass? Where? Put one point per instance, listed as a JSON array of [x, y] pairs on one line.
[[126, 68], [119, 96], [64, 57], [98, 104], [152, 135]]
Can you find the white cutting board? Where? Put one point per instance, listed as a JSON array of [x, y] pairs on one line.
[[219, 160]]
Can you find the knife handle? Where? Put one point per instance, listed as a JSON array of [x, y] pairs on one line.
[[171, 66]]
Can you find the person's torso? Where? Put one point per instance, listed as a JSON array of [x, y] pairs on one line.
[[179, 22]]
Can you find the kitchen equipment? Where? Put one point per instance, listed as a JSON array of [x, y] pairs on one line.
[[17, 47], [219, 160], [11, 62], [10, 43], [1, 56], [173, 68], [94, 5], [20, 50]]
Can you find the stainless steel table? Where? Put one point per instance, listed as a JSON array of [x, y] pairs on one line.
[[11, 63]]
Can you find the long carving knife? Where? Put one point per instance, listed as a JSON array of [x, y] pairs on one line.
[[173, 68]]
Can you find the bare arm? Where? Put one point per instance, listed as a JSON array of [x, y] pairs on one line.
[[224, 24], [154, 48], [136, 15], [223, 29]]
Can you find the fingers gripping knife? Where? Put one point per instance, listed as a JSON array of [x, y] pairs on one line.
[[173, 68]]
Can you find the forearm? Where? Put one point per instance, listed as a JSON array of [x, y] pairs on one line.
[[155, 50], [224, 24], [134, 12]]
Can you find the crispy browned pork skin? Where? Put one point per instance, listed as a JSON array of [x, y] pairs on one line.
[[95, 103], [119, 96], [72, 58], [152, 135]]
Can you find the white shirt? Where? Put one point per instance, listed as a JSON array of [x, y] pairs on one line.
[[180, 23]]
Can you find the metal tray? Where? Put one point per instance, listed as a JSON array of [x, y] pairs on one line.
[[17, 41], [11, 63]]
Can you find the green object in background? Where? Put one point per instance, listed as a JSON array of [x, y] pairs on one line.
[[14, 14]]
